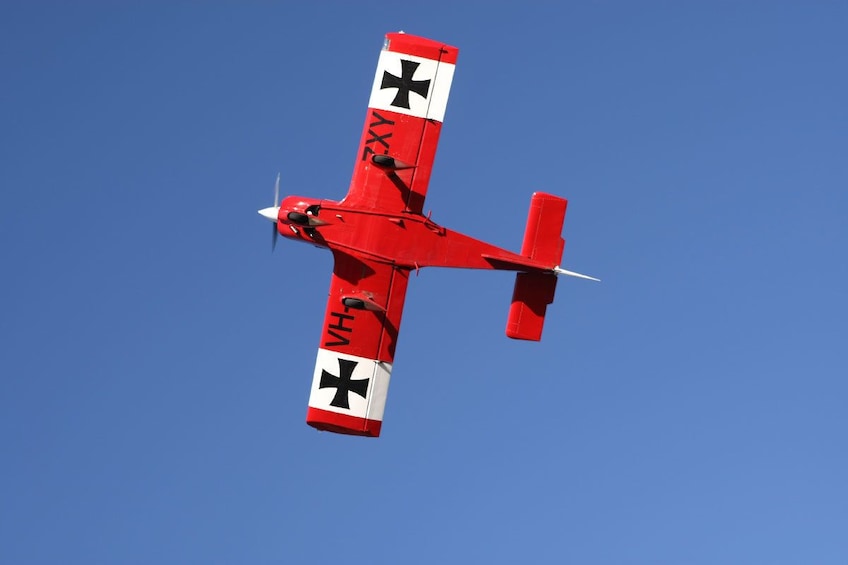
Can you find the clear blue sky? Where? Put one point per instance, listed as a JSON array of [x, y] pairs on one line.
[[156, 357]]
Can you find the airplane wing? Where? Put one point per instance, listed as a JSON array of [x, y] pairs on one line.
[[402, 127], [351, 378]]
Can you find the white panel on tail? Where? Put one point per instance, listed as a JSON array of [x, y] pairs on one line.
[[411, 85], [350, 385]]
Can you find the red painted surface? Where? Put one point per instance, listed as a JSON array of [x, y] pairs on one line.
[[342, 423], [530, 298], [406, 138], [542, 236], [403, 239], [364, 333], [378, 235]]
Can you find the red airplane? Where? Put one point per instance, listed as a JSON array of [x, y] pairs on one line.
[[378, 236]]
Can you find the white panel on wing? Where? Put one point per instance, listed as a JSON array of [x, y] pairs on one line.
[[350, 385], [411, 85]]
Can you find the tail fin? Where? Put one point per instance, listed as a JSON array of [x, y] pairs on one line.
[[534, 291]]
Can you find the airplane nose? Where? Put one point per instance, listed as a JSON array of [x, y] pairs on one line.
[[270, 213]]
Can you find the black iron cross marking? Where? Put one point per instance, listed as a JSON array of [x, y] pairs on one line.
[[405, 84], [343, 384]]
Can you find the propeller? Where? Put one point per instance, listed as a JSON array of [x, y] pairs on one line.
[[272, 212]]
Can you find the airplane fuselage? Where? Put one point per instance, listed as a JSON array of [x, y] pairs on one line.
[[403, 239]]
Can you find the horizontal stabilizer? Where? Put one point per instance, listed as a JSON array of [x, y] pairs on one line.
[[533, 292], [535, 288], [543, 234]]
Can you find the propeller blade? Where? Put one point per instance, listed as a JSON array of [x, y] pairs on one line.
[[277, 191], [272, 212]]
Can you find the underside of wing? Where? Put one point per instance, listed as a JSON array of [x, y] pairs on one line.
[[405, 113], [354, 364]]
